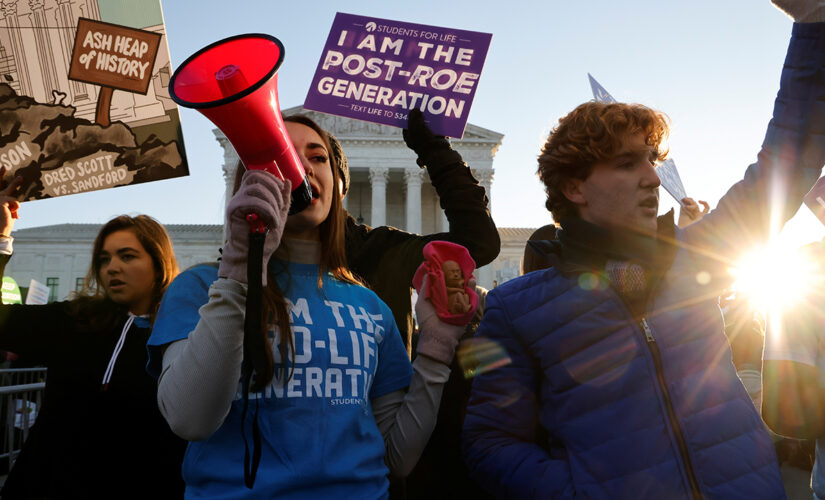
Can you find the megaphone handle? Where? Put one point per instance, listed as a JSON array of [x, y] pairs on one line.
[[256, 225]]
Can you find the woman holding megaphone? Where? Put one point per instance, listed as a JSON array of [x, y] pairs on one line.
[[336, 405]]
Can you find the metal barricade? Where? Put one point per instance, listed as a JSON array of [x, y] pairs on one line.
[[21, 397], [21, 376]]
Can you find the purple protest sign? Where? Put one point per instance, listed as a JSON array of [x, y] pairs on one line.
[[377, 70], [815, 199], [599, 92]]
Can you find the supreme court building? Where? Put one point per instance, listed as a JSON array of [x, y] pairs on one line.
[[387, 188]]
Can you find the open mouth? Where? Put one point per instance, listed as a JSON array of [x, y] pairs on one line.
[[315, 192], [651, 203], [116, 284]]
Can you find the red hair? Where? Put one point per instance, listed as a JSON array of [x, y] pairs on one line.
[[592, 133]]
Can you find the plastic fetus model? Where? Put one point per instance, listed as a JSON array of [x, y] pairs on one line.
[[458, 302], [443, 277]]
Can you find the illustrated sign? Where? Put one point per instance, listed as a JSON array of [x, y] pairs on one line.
[[377, 70], [666, 170], [815, 200], [10, 291], [96, 119], [114, 56]]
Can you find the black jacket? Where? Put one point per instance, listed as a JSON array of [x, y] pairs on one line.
[[87, 442], [386, 257]]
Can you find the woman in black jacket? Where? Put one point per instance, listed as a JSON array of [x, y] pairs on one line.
[[386, 258], [99, 433]]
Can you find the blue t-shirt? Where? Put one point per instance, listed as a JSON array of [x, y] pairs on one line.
[[318, 434]]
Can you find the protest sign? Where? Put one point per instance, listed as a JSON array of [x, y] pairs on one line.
[[670, 179], [84, 101], [10, 291], [666, 170], [113, 56], [25, 413], [599, 92], [815, 200], [38, 293], [377, 70]]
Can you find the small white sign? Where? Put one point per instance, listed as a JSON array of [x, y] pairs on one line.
[[25, 412], [38, 293], [670, 179]]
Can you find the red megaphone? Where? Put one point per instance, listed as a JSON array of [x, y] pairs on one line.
[[233, 82]]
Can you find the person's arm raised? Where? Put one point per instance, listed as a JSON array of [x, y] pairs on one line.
[[789, 162], [463, 200]]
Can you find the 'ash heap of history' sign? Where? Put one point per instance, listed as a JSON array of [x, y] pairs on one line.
[[377, 70], [117, 56], [99, 119]]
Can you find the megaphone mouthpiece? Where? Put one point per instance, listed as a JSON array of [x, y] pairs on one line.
[[231, 80]]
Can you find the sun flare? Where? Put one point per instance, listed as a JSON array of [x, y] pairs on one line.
[[774, 278]]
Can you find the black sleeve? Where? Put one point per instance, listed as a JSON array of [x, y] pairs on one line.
[[471, 225], [465, 204], [33, 332], [387, 258]]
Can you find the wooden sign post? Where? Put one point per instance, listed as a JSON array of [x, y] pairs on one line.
[[114, 57]]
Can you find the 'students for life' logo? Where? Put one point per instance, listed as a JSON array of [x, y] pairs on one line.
[[371, 26]]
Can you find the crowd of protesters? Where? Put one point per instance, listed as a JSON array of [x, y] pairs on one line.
[[617, 366]]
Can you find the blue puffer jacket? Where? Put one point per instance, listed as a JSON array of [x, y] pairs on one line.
[[597, 403]]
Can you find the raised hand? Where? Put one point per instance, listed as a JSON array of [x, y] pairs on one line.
[[421, 139], [690, 211], [269, 197], [8, 200]]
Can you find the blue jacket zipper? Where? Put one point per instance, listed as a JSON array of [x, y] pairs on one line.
[[671, 413]]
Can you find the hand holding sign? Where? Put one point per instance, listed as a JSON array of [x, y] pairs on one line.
[[421, 139], [690, 211], [8, 200], [671, 180]]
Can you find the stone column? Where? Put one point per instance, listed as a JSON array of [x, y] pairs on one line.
[[486, 274], [17, 48], [230, 161], [90, 10], [378, 181], [485, 178], [412, 182], [445, 224], [65, 19], [42, 37]]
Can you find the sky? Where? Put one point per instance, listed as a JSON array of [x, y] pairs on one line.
[[712, 66]]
